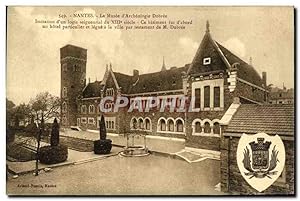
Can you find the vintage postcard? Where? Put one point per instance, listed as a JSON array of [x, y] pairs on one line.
[[137, 100]]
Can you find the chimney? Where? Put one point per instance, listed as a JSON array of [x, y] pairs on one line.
[[135, 73], [264, 78]]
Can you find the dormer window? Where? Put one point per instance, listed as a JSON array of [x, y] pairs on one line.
[[206, 61]]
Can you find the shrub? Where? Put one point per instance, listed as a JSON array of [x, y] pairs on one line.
[[102, 146], [54, 140], [53, 154]]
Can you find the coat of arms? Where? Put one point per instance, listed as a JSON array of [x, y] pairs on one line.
[[261, 159]]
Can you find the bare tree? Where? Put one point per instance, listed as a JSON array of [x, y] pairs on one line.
[[46, 104]]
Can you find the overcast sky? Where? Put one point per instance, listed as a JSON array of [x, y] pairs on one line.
[[33, 65]]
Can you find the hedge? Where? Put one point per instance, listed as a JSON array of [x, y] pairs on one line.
[[102, 146], [53, 154]]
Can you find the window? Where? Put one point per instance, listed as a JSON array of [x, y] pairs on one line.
[[162, 125], [109, 92], [91, 120], [64, 107], [197, 98], [65, 92], [198, 128], [216, 96], [91, 109], [83, 120], [65, 67], [216, 128], [147, 121], [110, 123], [206, 61], [170, 125], [206, 96], [141, 124], [76, 68], [179, 125], [207, 128], [134, 123], [83, 109], [64, 120]]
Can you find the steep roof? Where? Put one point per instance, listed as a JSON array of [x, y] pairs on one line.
[[207, 48], [271, 119], [221, 59], [245, 71], [123, 81], [92, 89], [159, 81]]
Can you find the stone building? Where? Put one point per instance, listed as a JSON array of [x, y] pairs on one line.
[[210, 82], [252, 119]]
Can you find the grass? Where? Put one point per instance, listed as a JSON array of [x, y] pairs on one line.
[[19, 153]]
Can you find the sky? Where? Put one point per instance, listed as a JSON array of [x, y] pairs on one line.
[[33, 62]]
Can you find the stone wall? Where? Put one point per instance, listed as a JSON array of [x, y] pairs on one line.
[[233, 182]]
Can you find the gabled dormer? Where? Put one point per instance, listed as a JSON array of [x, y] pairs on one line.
[[208, 58]]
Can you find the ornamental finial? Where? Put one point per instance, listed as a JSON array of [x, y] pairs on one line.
[[207, 26]]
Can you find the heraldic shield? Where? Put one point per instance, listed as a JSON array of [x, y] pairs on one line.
[[261, 159]]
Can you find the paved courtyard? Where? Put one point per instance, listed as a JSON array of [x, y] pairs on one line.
[[154, 143], [116, 175]]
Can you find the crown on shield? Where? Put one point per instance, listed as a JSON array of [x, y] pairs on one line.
[[260, 145]]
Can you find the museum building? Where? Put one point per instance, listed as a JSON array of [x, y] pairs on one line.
[[214, 78]]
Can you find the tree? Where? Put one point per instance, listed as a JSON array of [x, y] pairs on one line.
[[9, 111], [102, 146], [102, 128], [54, 140], [22, 112], [46, 104]]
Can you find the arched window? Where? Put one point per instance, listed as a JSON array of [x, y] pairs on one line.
[[162, 125], [147, 121], [113, 125], [91, 109], [170, 125], [64, 107], [141, 124], [179, 125], [216, 128], [207, 128], [198, 128], [83, 109], [134, 123], [65, 67], [65, 92]]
